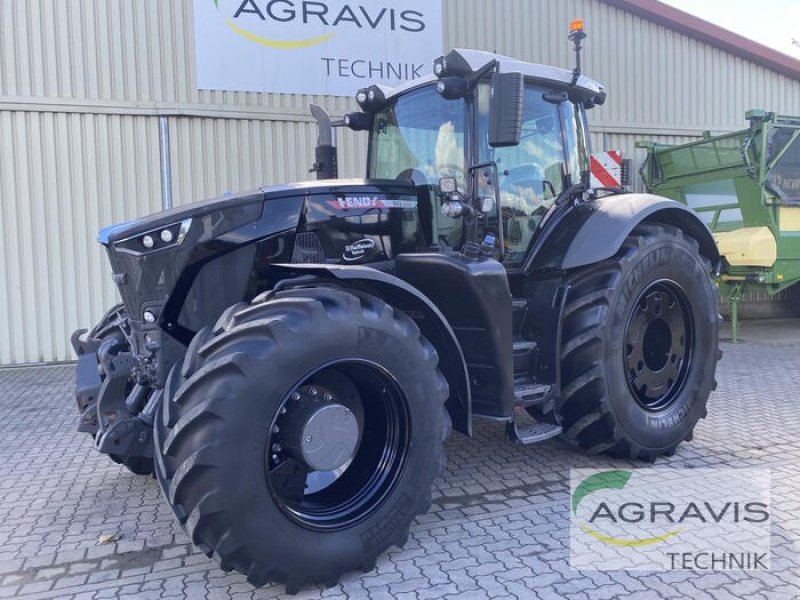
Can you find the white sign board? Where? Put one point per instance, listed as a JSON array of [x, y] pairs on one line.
[[325, 47]]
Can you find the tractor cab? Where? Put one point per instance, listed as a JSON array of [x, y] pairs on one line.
[[490, 143]]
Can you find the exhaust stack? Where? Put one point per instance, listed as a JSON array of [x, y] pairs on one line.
[[326, 165]]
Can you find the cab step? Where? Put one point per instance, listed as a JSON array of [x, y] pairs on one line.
[[528, 393], [527, 431]]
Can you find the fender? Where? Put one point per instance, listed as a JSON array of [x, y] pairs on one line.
[[595, 231], [428, 317]]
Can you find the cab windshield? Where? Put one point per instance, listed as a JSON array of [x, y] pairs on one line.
[[419, 137]]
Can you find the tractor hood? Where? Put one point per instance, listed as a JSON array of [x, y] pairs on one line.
[[179, 269], [235, 202]]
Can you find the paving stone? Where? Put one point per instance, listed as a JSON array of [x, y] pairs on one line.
[[50, 573], [101, 576], [9, 592], [70, 581], [36, 587], [84, 567]]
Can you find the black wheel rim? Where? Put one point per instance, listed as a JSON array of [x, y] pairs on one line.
[[338, 499], [659, 341]]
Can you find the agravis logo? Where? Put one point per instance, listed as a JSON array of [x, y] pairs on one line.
[[656, 519], [319, 47], [315, 14], [614, 480]]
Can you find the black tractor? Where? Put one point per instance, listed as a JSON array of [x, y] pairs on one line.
[[290, 361]]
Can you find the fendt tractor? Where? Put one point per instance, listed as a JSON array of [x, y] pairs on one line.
[[290, 361]]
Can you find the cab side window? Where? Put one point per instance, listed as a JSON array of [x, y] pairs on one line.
[[530, 174]]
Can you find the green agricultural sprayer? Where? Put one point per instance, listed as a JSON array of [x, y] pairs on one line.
[[745, 185]]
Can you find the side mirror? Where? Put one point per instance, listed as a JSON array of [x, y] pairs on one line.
[[505, 109]]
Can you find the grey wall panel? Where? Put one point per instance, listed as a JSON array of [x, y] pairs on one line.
[[62, 177], [213, 156]]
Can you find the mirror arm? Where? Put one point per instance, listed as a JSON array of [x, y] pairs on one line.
[[492, 65], [498, 207]]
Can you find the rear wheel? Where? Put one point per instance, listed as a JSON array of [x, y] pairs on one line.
[[639, 347], [299, 438]]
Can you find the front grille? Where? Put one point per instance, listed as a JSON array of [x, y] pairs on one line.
[[308, 249]]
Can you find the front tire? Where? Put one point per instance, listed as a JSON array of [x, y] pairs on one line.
[[639, 347], [234, 451]]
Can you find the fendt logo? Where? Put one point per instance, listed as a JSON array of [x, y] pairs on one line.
[[332, 15]]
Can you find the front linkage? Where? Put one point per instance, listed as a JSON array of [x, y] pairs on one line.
[[114, 408]]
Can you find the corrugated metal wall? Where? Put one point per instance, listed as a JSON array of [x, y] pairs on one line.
[[82, 83], [62, 175]]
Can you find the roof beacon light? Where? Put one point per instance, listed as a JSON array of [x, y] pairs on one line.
[[576, 36]]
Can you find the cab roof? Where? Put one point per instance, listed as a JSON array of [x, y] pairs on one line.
[[478, 58]]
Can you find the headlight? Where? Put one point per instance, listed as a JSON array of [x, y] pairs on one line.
[[371, 99], [154, 240]]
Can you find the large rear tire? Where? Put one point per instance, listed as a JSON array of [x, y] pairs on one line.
[[234, 451], [639, 347]]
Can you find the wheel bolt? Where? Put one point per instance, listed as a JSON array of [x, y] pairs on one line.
[[276, 429], [327, 397], [276, 447], [308, 438], [296, 396], [275, 457], [283, 410], [313, 391]]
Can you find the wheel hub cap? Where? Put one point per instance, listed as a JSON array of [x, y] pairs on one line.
[[329, 438], [318, 431]]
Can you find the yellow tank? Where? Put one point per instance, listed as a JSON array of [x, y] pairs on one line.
[[748, 247]]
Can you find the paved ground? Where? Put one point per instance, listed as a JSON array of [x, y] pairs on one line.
[[498, 528]]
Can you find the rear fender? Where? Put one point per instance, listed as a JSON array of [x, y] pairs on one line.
[[595, 231], [425, 314]]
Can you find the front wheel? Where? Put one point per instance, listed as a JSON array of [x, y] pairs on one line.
[[299, 438], [639, 347]]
